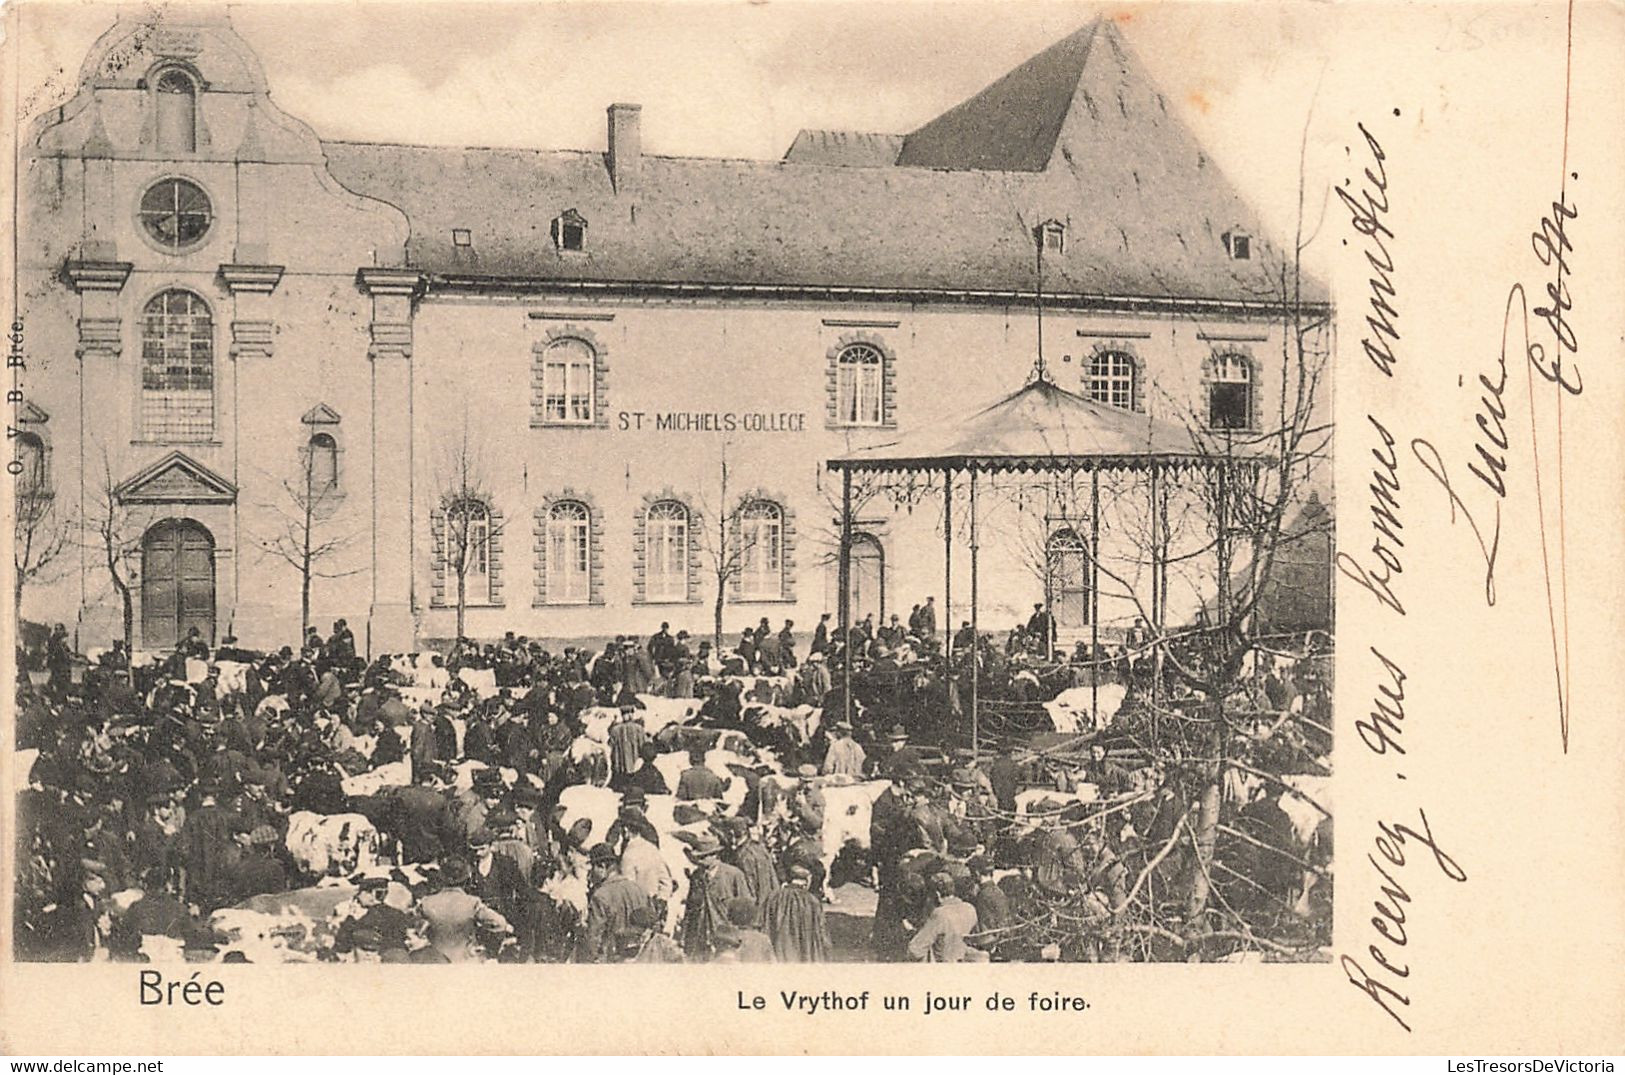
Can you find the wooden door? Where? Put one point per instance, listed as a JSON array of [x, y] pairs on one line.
[[177, 583]]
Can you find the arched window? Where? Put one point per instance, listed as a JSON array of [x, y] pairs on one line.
[[666, 551], [569, 553], [176, 213], [761, 537], [467, 547], [177, 113], [177, 368], [1230, 392], [33, 480], [569, 370], [323, 464], [1111, 379], [860, 384]]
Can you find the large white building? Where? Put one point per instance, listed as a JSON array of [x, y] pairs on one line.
[[562, 353]]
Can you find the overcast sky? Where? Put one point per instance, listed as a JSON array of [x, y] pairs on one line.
[[727, 79]]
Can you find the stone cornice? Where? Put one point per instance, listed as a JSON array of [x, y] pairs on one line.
[[97, 275], [261, 279], [379, 280]]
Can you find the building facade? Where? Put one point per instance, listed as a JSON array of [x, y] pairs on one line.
[[580, 393]]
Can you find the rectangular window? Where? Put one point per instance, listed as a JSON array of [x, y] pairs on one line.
[[568, 562]]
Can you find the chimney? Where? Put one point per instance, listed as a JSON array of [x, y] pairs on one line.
[[625, 146]]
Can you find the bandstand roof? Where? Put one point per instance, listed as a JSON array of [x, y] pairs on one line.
[[1040, 427]]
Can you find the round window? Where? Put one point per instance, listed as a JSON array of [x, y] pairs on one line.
[[176, 213]]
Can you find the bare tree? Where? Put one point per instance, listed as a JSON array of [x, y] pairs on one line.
[[302, 512], [40, 534], [464, 525], [114, 534], [727, 544]]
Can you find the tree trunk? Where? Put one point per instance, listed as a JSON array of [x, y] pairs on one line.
[[462, 600], [304, 596], [716, 625], [1207, 836]]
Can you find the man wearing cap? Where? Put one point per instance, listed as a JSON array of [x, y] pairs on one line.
[[942, 938], [753, 945], [844, 757], [710, 886], [794, 920], [647, 778], [610, 903]]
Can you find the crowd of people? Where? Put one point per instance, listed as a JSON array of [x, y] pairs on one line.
[[162, 792]]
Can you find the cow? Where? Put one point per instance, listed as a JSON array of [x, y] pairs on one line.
[[802, 720], [1293, 815], [395, 774], [1074, 711], [323, 844], [482, 681], [658, 713], [283, 927]]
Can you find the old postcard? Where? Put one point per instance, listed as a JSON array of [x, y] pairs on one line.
[[815, 527]]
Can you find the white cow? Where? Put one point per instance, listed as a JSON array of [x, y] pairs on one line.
[[233, 676], [395, 774], [596, 720], [1072, 712], [600, 807], [659, 713], [848, 809], [331, 843], [482, 681], [802, 720]]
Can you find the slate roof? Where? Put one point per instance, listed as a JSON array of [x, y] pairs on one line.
[[852, 149], [1145, 208]]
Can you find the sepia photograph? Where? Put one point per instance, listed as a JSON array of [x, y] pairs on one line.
[[910, 544]]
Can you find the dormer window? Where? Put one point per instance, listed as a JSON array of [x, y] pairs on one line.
[[462, 237], [1239, 245], [570, 231], [1052, 237]]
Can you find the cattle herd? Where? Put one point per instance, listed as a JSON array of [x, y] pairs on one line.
[[500, 802]]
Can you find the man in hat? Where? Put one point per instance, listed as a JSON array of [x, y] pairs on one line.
[[368, 911], [698, 782], [257, 870], [753, 860], [453, 917], [611, 901], [902, 760], [710, 886], [641, 861], [942, 938], [1041, 629], [820, 638], [1004, 776], [794, 920], [891, 635], [209, 849], [626, 739], [992, 905], [844, 757], [660, 645]]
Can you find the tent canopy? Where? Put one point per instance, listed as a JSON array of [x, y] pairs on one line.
[[1041, 426]]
